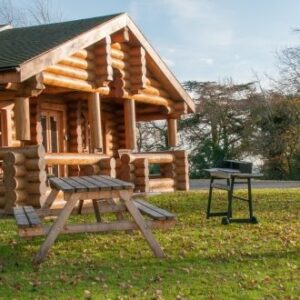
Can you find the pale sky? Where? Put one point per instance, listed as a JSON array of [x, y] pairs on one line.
[[205, 39]]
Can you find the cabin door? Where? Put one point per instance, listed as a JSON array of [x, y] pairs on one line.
[[52, 123]]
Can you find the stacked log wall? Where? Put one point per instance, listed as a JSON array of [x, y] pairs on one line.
[[134, 167], [24, 176]]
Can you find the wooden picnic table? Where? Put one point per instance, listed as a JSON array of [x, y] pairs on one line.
[[98, 189]]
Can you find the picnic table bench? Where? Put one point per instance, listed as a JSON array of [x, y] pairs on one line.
[[108, 195]]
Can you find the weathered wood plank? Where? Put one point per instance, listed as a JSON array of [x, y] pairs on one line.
[[112, 184], [32, 216], [90, 185], [159, 210], [97, 227], [79, 187], [148, 211], [59, 184], [126, 185]]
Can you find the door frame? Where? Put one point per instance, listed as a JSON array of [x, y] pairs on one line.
[[61, 110]]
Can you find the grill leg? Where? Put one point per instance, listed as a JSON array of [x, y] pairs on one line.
[[250, 198], [230, 197], [209, 198]]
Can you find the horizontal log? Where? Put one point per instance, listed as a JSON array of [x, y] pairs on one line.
[[156, 92], [36, 176], [155, 100], [35, 164], [141, 172], [119, 54], [73, 158], [161, 183], [37, 188], [84, 54], [71, 72], [121, 46], [34, 200], [152, 82], [14, 171], [28, 151], [163, 190], [78, 63], [15, 183], [63, 81], [154, 158], [13, 158], [120, 64], [16, 196]]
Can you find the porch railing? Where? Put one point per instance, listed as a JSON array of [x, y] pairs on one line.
[[173, 166]]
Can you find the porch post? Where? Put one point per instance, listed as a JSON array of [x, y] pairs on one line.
[[130, 124], [22, 118], [95, 122], [172, 132]]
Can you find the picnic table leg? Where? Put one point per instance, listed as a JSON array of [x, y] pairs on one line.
[[137, 217], [55, 228], [50, 199], [96, 210]]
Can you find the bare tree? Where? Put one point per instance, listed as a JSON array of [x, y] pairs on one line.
[[39, 12], [42, 12], [10, 14]]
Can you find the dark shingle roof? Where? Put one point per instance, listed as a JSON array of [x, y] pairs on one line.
[[18, 45]]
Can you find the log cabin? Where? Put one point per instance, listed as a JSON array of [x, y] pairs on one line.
[[70, 96]]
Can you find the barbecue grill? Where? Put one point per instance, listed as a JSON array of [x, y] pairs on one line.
[[233, 172]]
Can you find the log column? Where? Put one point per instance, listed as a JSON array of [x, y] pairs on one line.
[[22, 118], [172, 132], [95, 122], [130, 124]]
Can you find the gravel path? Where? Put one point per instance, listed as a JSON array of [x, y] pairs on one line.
[[203, 184]]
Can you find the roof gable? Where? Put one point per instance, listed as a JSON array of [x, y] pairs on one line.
[[67, 40]]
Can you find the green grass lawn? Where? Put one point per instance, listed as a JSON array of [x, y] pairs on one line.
[[205, 260]]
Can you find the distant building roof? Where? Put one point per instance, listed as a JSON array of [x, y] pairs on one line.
[[18, 45]]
